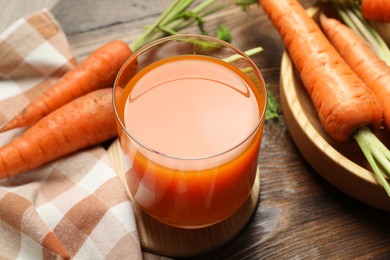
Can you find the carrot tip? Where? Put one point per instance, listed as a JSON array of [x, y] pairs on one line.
[[6, 126], [15, 122]]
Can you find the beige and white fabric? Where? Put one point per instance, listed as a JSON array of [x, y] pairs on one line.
[[75, 207]]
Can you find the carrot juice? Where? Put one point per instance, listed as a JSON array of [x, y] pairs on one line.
[[193, 129]]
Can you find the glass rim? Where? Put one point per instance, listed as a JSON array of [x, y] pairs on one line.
[[173, 37]]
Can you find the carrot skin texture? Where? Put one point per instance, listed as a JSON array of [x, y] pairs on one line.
[[83, 122], [343, 102], [362, 59], [376, 10], [97, 71]]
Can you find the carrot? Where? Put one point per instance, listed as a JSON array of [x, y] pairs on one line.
[[361, 58], [345, 105], [97, 71], [62, 132], [376, 10], [343, 102], [351, 15], [101, 67]]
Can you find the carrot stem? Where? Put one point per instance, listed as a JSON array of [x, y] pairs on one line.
[[141, 41], [249, 52], [176, 17], [377, 155]]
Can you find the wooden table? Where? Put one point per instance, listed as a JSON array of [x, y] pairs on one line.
[[300, 215]]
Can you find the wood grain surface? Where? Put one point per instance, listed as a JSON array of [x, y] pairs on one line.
[[300, 215]]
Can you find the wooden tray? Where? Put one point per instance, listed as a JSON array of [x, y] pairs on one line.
[[161, 239], [343, 165]]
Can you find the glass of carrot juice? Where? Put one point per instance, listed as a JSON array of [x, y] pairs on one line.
[[190, 113]]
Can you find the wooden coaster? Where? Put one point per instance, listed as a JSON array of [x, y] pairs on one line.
[[162, 239]]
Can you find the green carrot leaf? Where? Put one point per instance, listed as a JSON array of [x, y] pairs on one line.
[[272, 107], [223, 33]]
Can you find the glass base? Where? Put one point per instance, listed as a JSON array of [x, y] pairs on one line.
[[165, 240], [162, 239]]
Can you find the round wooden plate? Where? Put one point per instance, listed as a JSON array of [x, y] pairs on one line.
[[343, 165], [159, 238]]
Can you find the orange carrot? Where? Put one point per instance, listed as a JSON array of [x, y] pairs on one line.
[[101, 67], [62, 132], [345, 105], [342, 100], [351, 15], [362, 59], [376, 10], [97, 71]]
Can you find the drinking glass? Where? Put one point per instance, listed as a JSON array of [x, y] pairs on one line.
[[190, 113]]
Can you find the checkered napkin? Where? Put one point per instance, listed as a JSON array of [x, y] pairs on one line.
[[75, 207]]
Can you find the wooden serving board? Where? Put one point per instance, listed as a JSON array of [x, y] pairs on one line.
[[159, 238], [341, 164]]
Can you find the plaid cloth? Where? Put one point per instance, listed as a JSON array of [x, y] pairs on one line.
[[75, 207]]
